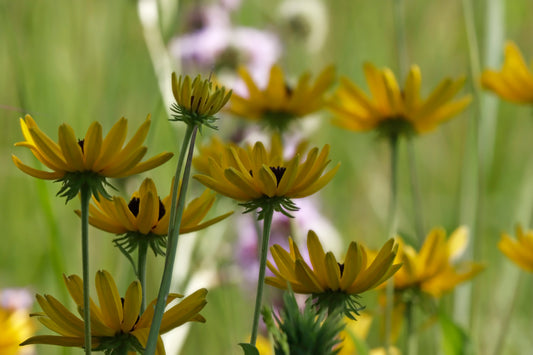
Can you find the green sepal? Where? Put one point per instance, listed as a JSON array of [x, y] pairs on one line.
[[72, 182], [120, 344], [277, 203], [182, 114], [130, 241], [249, 349], [333, 301], [394, 128]]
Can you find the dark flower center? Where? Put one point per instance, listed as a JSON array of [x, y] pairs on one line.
[[80, 143], [278, 173], [341, 268], [134, 207]]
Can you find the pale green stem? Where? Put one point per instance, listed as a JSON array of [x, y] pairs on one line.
[[412, 342], [85, 193], [267, 222], [392, 233], [141, 271], [506, 321], [173, 235], [417, 196]]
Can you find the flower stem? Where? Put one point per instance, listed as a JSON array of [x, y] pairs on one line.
[[411, 344], [176, 212], [415, 188], [268, 213], [85, 196], [141, 271], [393, 142]]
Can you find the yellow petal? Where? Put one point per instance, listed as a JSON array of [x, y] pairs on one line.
[[132, 306], [70, 148], [109, 298]]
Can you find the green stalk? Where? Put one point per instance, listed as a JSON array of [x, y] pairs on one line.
[[176, 212], [393, 141], [415, 188], [411, 344], [267, 222], [141, 271], [85, 192]]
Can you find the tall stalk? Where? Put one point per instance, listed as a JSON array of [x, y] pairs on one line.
[[141, 271], [85, 193], [392, 226], [176, 213], [269, 213]]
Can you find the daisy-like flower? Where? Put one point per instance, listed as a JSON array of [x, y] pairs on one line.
[[334, 284], [90, 160], [394, 111], [116, 324], [519, 250], [197, 100], [515, 80], [258, 177], [145, 217], [278, 103], [432, 270]]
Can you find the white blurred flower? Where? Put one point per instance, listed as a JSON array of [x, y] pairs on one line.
[[306, 20]]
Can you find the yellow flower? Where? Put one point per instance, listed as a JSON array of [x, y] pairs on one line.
[[394, 111], [16, 326], [89, 160], [278, 103], [520, 250], [255, 175], [515, 81], [214, 149], [197, 101], [432, 270], [116, 324], [327, 278], [146, 217]]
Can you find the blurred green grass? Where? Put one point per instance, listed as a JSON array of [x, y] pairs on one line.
[[75, 62]]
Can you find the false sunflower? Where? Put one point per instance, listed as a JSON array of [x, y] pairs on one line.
[[89, 160], [432, 270], [259, 177], [515, 80], [116, 325], [520, 251], [146, 217], [331, 282], [278, 103], [394, 111], [197, 100]]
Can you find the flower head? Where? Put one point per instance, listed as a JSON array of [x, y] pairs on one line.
[[432, 269], [90, 160], [116, 323], [519, 250], [333, 283], [257, 176], [391, 110], [515, 80], [145, 218], [279, 103], [197, 100]]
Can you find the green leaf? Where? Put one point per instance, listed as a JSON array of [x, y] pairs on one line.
[[249, 349], [455, 340]]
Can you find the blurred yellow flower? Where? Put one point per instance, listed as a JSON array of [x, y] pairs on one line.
[[116, 324], [515, 80], [91, 158], [519, 250], [432, 270], [255, 174], [16, 326], [278, 103], [394, 111], [327, 278], [214, 149], [147, 216], [197, 100]]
